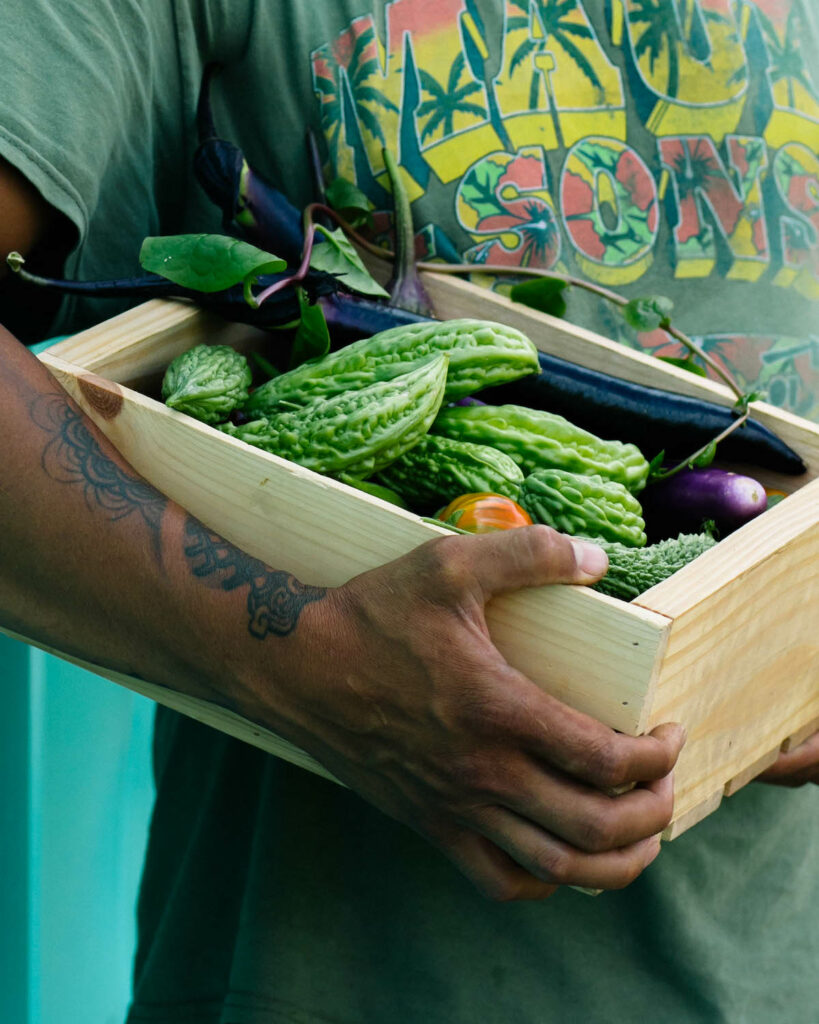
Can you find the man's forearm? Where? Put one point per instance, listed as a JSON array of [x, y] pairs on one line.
[[97, 563]]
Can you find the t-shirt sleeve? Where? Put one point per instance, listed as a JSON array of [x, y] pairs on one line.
[[73, 97]]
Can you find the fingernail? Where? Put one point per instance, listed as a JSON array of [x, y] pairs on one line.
[[683, 734], [591, 558]]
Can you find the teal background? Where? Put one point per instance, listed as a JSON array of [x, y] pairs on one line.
[[75, 767]]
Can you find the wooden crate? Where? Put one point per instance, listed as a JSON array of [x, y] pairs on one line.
[[729, 646]]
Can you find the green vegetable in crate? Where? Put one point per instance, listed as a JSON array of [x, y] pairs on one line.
[[376, 490], [358, 432], [481, 354], [632, 571], [208, 382], [544, 440], [438, 469], [586, 506]]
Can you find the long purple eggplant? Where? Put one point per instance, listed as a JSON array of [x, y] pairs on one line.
[[252, 209], [652, 418]]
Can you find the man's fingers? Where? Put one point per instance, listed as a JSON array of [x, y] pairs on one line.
[[590, 820], [797, 767], [492, 871], [531, 556], [556, 862], [584, 748]]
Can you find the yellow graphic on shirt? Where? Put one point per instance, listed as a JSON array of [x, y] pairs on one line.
[[691, 61], [518, 107], [778, 45], [556, 83], [609, 204]]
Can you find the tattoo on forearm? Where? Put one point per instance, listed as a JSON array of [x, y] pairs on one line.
[[73, 456], [276, 599]]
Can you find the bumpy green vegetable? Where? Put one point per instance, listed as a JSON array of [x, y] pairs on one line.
[[439, 469], [481, 354], [544, 440], [632, 571], [208, 382], [583, 506], [358, 432]]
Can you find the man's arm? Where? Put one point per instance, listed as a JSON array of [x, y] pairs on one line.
[[390, 681]]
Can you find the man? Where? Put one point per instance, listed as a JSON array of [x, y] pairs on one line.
[[269, 895]]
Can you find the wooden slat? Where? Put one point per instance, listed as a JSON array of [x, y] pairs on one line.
[[684, 820], [142, 341], [751, 772], [798, 738], [325, 533]]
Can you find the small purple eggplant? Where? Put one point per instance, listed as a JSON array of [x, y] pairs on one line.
[[692, 497]]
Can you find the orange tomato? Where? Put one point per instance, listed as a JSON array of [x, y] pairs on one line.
[[484, 512]]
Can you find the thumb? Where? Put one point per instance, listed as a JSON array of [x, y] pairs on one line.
[[532, 556]]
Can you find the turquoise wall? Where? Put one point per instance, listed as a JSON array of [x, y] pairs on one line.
[[75, 768]]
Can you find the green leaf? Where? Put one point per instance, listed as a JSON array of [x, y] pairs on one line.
[[338, 257], [648, 313], [706, 457], [207, 263], [656, 464], [741, 404], [349, 200], [548, 294], [685, 364], [312, 337]]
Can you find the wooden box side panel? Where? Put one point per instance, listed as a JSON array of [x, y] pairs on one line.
[[250, 497], [741, 670]]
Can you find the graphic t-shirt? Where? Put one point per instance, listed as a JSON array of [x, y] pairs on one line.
[[654, 146]]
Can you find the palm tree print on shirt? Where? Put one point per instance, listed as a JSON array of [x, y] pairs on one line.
[[663, 34], [362, 66], [447, 101], [559, 27], [785, 56]]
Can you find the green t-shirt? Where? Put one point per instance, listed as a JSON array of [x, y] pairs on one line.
[[657, 148]]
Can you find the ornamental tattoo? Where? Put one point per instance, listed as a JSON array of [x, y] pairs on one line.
[[73, 456], [276, 598]]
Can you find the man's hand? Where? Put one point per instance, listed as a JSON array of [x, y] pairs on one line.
[[411, 705], [796, 767]]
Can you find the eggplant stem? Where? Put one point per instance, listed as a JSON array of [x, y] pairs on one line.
[[700, 451]]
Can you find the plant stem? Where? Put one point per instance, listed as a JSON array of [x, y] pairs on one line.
[[712, 443], [304, 266]]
